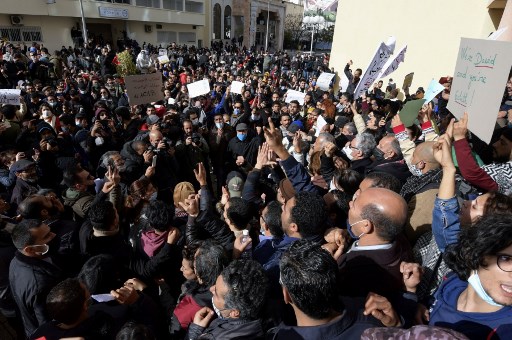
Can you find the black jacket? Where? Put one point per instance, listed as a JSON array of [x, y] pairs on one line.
[[226, 329], [395, 166], [31, 280], [134, 164]]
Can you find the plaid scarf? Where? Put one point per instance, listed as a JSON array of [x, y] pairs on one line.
[[414, 184]]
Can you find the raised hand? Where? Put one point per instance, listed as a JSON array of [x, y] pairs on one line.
[[412, 273]]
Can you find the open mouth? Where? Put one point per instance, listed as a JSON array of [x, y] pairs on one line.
[[507, 289]]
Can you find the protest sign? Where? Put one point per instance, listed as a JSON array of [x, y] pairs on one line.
[[163, 59], [478, 83], [171, 101], [373, 70], [8, 96], [320, 123], [434, 88], [236, 87], [344, 82], [198, 88], [495, 35], [392, 64], [162, 52], [144, 88], [410, 111], [324, 80], [408, 80], [295, 95]]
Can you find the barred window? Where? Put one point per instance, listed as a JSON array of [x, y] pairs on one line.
[[21, 34]]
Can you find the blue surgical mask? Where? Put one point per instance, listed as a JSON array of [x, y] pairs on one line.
[[351, 233], [241, 136], [236, 111], [219, 125], [474, 281]]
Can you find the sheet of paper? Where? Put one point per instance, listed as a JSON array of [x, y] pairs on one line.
[[295, 95], [320, 123], [198, 88]]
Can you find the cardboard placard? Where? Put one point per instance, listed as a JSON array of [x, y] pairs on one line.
[[10, 96], [144, 88]]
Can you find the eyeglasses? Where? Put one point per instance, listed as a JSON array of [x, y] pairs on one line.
[[504, 262], [353, 147]]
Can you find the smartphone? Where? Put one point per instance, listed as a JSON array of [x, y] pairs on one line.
[[153, 163]]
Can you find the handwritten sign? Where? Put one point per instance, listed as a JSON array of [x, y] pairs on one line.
[[373, 70], [478, 83], [324, 80], [8, 96], [198, 88], [144, 88], [237, 86], [163, 59], [320, 123], [295, 95], [162, 51], [434, 88], [408, 81], [392, 64]]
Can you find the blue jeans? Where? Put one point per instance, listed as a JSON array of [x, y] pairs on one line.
[[445, 222]]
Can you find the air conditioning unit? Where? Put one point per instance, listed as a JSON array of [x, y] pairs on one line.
[[148, 28], [17, 20], [158, 27]]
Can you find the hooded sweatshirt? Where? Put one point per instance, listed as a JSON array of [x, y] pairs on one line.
[[152, 242]]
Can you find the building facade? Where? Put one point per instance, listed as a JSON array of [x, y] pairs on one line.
[[431, 29], [52, 22], [246, 21]]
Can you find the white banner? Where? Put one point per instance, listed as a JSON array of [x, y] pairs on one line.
[[324, 80], [198, 88], [478, 83], [373, 70], [163, 59], [295, 95], [8, 96], [144, 88], [236, 87], [392, 64]]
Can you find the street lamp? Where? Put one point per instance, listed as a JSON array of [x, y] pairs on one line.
[[313, 22]]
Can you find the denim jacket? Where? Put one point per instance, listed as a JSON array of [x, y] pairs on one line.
[[445, 222]]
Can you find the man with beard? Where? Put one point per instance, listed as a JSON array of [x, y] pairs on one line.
[[26, 181], [80, 192], [353, 78]]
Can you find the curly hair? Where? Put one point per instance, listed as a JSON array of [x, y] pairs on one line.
[[497, 203], [309, 213], [487, 237], [247, 288]]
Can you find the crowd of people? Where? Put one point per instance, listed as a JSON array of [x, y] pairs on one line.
[[239, 216]]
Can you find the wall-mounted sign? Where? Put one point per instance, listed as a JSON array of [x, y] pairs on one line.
[[109, 12]]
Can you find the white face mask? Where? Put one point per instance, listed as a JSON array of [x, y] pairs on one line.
[[219, 125], [99, 141], [46, 113], [255, 117], [348, 151], [414, 170]]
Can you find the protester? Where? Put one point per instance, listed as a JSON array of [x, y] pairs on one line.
[[322, 193]]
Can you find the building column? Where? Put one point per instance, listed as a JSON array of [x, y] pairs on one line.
[[506, 21]]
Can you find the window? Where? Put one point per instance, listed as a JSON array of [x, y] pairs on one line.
[[166, 37], [194, 6], [175, 5], [148, 3], [187, 37], [21, 34], [217, 21]]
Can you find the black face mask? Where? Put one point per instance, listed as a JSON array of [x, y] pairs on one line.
[[378, 154]]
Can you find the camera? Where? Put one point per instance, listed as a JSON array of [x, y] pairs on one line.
[[195, 138], [104, 123], [168, 144]]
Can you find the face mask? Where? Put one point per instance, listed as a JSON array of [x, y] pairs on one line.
[[77, 123], [40, 249], [219, 125], [255, 117], [474, 281], [241, 136], [378, 154], [313, 83], [64, 129], [348, 151], [236, 111], [195, 121], [104, 97], [46, 113], [218, 311], [414, 170], [351, 233], [99, 141], [53, 104], [83, 92]]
